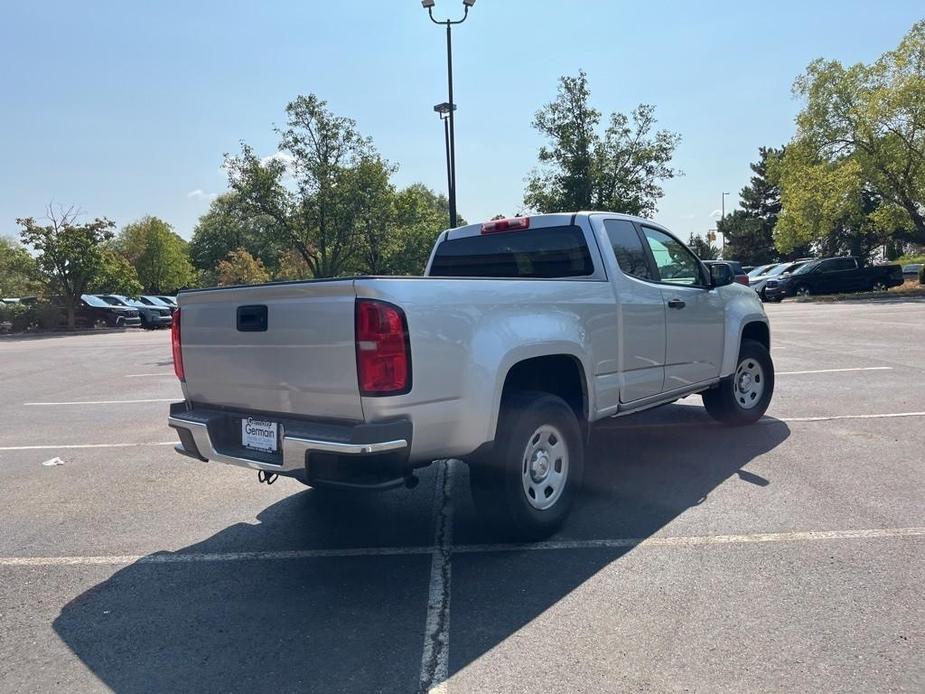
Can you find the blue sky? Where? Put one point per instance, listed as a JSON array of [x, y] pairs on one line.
[[125, 108]]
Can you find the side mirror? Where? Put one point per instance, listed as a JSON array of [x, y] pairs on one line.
[[721, 274]]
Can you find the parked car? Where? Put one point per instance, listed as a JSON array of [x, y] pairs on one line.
[[738, 272], [169, 300], [155, 301], [151, 316], [911, 271], [760, 282], [93, 312], [833, 275], [523, 332]]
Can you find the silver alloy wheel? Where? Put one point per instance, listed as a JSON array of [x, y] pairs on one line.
[[880, 286], [803, 291], [748, 383], [544, 469]]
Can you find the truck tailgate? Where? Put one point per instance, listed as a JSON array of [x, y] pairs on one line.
[[301, 360]]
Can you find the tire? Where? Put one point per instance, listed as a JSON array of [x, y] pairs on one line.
[[879, 286], [802, 290], [526, 485], [743, 397]]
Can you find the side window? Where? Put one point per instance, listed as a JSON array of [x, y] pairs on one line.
[[835, 264], [675, 263], [627, 246]]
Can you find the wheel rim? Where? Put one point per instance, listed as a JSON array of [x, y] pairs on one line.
[[748, 383], [544, 469], [802, 291], [879, 287]]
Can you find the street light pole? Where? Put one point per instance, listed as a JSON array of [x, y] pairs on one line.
[[444, 111], [449, 126]]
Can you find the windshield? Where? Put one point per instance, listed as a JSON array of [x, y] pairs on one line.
[[760, 270], [782, 268], [809, 267], [94, 301], [153, 301]]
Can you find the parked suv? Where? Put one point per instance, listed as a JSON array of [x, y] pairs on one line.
[[93, 312]]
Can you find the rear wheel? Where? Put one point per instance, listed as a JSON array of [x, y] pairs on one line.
[[802, 290], [526, 485], [879, 286], [743, 397]]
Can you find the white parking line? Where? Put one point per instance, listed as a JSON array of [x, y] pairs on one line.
[[99, 402], [638, 542], [435, 655], [86, 445], [832, 371], [847, 416], [164, 375]]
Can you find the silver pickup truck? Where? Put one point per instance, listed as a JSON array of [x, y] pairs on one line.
[[521, 334]]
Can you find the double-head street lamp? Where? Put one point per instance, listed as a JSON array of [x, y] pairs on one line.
[[446, 109]]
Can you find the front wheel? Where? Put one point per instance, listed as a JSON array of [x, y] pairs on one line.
[[743, 397], [526, 485], [802, 290]]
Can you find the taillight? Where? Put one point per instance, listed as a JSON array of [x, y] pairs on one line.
[[176, 346], [742, 279], [383, 352], [511, 224]]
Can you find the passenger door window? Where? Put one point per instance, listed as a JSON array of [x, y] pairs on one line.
[[628, 248], [674, 262]]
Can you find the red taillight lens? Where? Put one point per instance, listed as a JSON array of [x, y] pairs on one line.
[[176, 347], [383, 353], [506, 225], [742, 279]]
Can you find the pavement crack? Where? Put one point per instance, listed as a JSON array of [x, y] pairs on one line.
[[435, 657]]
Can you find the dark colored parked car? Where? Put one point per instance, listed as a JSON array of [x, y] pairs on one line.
[[834, 275], [93, 312], [737, 270], [151, 316]]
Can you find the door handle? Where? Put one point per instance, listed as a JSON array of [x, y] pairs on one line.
[[676, 303]]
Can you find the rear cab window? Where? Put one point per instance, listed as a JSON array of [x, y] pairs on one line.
[[628, 249], [545, 252]]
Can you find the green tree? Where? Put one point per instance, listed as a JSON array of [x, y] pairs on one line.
[[703, 248], [619, 170], [228, 225], [240, 267], [861, 132], [19, 275], [69, 254], [419, 215], [748, 233], [311, 190], [159, 255], [115, 275]]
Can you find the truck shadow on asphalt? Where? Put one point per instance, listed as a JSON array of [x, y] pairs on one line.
[[357, 623]]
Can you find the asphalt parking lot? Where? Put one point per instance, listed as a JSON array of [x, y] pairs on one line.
[[786, 556]]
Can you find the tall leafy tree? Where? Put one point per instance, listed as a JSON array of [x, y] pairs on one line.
[[159, 255], [861, 132], [69, 253], [748, 232], [115, 275], [240, 267], [228, 225], [310, 192], [19, 274], [620, 169]]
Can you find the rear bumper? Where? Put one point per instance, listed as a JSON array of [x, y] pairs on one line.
[[333, 454]]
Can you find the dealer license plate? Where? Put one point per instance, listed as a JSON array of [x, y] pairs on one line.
[[259, 434]]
